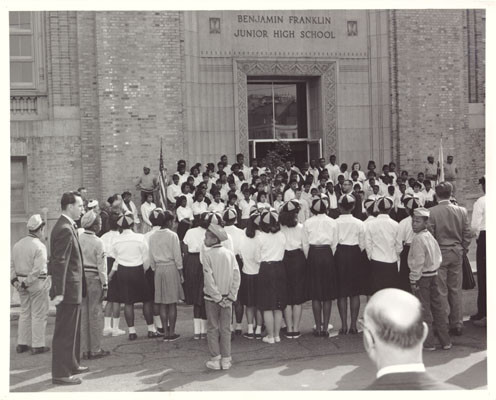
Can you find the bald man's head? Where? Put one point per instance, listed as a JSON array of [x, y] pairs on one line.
[[395, 317]]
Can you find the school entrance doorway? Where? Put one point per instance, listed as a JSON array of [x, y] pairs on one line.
[[302, 150]]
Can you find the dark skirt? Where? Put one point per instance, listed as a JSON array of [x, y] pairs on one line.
[[193, 279], [295, 264], [271, 286], [113, 285], [404, 275], [348, 263], [133, 285], [248, 290], [365, 275], [383, 275], [321, 274], [182, 228]]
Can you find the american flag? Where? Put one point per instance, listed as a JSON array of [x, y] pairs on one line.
[[162, 179], [440, 162]]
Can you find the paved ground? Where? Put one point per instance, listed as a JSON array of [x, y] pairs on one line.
[[307, 363]]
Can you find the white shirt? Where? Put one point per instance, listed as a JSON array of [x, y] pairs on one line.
[[146, 209], [315, 172], [173, 191], [130, 250], [351, 231], [479, 216], [295, 238], [108, 239], [199, 207], [289, 194], [374, 196], [197, 180], [278, 204], [304, 212], [429, 195], [248, 248], [194, 239], [333, 200], [182, 178], [184, 212], [246, 172], [132, 208], [146, 236], [237, 236], [394, 369], [245, 207], [381, 239], [271, 246], [216, 207], [320, 230], [405, 231], [334, 171], [419, 196], [189, 200]]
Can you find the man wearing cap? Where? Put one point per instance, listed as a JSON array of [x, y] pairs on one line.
[[450, 173], [147, 184], [68, 289], [221, 284], [479, 230], [28, 274], [449, 225]]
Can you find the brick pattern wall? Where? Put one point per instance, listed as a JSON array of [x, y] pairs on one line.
[[139, 93], [430, 94]]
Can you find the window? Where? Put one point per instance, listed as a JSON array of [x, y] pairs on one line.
[[21, 50], [18, 190], [277, 110]]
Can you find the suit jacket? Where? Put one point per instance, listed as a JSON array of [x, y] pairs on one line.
[[409, 381], [449, 224], [66, 263]]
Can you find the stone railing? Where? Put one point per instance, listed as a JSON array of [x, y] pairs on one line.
[[24, 105]]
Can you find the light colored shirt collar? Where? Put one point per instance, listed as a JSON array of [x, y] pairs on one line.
[[444, 201], [400, 368], [383, 216], [70, 219]]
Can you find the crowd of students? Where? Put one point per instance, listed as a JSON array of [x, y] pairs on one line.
[[319, 233]]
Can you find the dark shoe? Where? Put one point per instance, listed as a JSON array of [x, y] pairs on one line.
[[21, 348], [133, 336], [429, 347], [481, 322], [203, 335], [296, 335], [71, 380], [154, 335], [258, 336], [249, 335], [99, 354], [173, 337], [86, 356], [458, 331], [324, 334], [288, 335], [316, 333], [352, 331], [238, 332], [161, 331], [284, 330], [343, 331], [80, 370], [39, 350], [476, 317]]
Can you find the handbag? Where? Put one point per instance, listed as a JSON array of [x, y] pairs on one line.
[[468, 282]]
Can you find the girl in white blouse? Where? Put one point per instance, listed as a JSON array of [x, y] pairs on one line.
[[351, 243], [184, 216], [272, 285], [321, 234], [199, 206], [361, 174], [296, 250]]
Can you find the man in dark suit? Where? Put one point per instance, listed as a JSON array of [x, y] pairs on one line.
[[393, 335], [68, 288]]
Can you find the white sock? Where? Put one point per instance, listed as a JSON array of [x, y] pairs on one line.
[[232, 327], [203, 326], [157, 321], [132, 330], [115, 323], [151, 328], [238, 327], [250, 328], [107, 323], [258, 330], [196, 325]]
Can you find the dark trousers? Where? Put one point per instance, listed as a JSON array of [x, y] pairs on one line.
[[66, 340], [434, 314], [481, 274]]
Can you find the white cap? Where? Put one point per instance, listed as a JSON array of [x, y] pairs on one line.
[[34, 222]]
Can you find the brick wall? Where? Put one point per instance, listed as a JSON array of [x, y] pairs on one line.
[[430, 94], [139, 94]]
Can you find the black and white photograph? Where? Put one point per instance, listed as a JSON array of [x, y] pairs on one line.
[[244, 199]]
